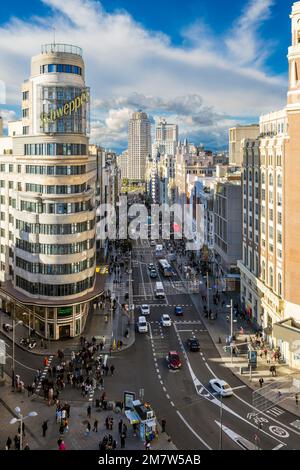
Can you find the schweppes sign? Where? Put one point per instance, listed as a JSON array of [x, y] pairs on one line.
[[67, 109]]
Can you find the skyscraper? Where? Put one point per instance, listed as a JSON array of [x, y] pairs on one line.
[[166, 137], [139, 145], [47, 200]]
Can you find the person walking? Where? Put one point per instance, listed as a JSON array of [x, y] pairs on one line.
[[163, 425], [112, 368], [95, 427], [44, 428], [123, 437], [8, 443], [261, 381], [89, 412], [120, 426], [88, 429]]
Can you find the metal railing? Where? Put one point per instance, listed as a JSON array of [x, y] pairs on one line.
[[65, 48]]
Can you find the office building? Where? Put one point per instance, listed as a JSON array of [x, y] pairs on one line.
[[139, 145]]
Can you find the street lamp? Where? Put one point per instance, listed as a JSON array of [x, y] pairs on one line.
[[20, 419], [231, 326], [14, 324]]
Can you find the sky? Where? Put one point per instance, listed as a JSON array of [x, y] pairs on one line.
[[203, 65]]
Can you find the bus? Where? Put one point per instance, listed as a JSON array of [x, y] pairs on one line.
[[165, 267]]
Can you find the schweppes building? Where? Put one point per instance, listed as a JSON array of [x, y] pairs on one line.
[[48, 266]]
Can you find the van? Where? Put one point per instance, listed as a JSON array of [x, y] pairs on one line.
[[159, 290], [142, 325]]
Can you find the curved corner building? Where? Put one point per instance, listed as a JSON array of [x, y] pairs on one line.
[[49, 278]]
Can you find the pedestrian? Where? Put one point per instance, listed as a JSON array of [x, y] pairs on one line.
[[61, 428], [27, 446], [296, 399], [123, 437], [112, 368], [120, 425], [88, 429], [62, 445], [89, 411], [261, 381], [125, 429], [95, 427], [44, 428], [8, 443], [163, 425]]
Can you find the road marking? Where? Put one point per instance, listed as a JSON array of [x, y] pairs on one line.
[[193, 431], [180, 331], [278, 447], [275, 411], [278, 431], [172, 403], [168, 397], [161, 382], [159, 376], [296, 423], [245, 444]]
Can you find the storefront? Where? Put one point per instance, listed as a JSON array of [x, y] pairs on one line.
[[287, 336], [143, 418]]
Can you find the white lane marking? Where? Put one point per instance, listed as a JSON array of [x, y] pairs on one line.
[[241, 441], [210, 370], [161, 382], [172, 403], [164, 389], [193, 431], [21, 364], [159, 376], [168, 397], [157, 370], [278, 431], [180, 331], [278, 447]]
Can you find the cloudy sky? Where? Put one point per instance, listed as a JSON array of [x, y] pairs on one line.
[[204, 65]]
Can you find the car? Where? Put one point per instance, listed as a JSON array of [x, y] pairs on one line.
[[166, 320], [151, 266], [221, 387], [153, 274], [193, 344], [7, 327], [142, 325], [178, 311], [145, 310], [152, 243], [173, 360]]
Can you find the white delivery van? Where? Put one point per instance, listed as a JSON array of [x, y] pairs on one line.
[[142, 325], [159, 290]]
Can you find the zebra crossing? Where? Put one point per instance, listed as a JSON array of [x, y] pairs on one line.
[[275, 411], [164, 305], [43, 375]]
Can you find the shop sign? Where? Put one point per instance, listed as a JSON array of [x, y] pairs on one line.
[[129, 398], [67, 109]]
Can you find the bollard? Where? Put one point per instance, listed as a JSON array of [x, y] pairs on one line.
[[220, 341]]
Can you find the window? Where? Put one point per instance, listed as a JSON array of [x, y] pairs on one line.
[[279, 181], [280, 284], [271, 280], [25, 95], [25, 112], [271, 214], [263, 271], [10, 184], [271, 197], [25, 130], [279, 237], [263, 194], [279, 218], [270, 179], [10, 168], [256, 177]]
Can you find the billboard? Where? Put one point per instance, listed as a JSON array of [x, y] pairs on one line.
[[63, 109]]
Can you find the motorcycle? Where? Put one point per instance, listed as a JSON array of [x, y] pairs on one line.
[[7, 327], [28, 342]]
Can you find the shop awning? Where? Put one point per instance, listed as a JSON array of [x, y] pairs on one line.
[[287, 330], [133, 417]]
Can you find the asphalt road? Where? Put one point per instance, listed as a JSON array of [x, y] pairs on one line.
[[192, 411], [184, 398]]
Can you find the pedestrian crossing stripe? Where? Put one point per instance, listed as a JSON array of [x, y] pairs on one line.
[[275, 411]]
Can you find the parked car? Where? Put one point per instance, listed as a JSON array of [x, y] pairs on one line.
[[145, 309], [193, 344], [166, 320], [221, 387], [151, 266], [173, 360], [28, 342], [178, 311]]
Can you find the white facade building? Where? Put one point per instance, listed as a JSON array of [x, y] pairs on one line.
[[139, 145]]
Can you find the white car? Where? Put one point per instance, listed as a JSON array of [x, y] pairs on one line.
[[221, 387], [166, 320], [145, 309]]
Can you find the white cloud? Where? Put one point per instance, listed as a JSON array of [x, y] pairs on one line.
[[7, 115], [128, 67]]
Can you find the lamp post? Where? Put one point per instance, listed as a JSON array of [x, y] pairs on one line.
[[231, 326], [20, 419], [14, 324], [25, 314]]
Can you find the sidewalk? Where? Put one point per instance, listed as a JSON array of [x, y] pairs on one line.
[[95, 326], [75, 438], [219, 330]]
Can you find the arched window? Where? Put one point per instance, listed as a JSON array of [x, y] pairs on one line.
[[270, 179], [279, 181], [263, 271], [263, 180], [256, 177], [280, 285], [271, 280], [250, 175]]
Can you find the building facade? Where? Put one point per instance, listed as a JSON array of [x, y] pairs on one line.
[[236, 136], [139, 145], [166, 137], [48, 252]]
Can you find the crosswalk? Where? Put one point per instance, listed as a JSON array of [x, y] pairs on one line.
[[165, 305], [43, 375], [275, 411]]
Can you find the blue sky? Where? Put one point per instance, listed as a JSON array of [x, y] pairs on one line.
[[203, 64]]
